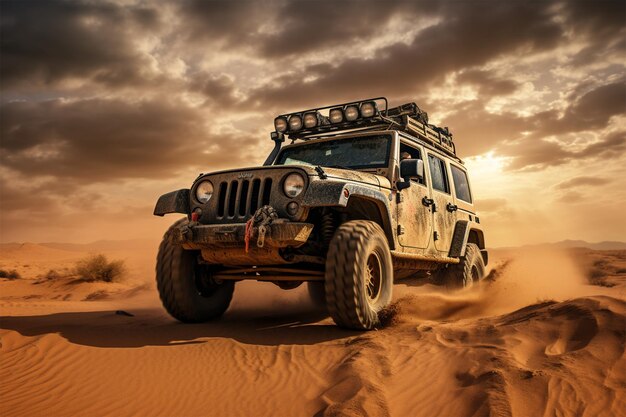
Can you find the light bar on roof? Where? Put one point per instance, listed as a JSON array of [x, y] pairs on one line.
[[368, 109], [352, 113], [280, 124], [336, 115], [311, 119], [339, 116], [295, 122]]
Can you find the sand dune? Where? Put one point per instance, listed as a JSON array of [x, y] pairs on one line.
[[534, 340]]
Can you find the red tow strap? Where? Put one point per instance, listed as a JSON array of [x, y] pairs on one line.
[[248, 234]]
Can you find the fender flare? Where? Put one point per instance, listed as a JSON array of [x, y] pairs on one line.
[[173, 202], [461, 236], [332, 194]]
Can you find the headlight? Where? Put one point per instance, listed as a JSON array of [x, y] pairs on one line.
[[336, 115], [280, 123], [368, 109], [204, 191], [295, 122], [352, 113], [293, 185]]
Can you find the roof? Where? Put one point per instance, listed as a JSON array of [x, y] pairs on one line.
[[407, 118]]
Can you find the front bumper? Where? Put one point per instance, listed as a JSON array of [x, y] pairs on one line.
[[280, 234]]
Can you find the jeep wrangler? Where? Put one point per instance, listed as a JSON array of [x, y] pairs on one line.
[[363, 195]]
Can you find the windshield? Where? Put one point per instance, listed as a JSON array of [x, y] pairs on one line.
[[354, 153]]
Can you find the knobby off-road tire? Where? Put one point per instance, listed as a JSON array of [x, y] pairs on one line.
[[359, 275], [185, 286], [466, 273]]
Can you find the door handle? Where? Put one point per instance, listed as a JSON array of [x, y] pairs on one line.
[[428, 201], [451, 207]]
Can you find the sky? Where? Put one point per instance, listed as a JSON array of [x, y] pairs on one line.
[[106, 105]]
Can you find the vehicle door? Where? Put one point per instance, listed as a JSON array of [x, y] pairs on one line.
[[414, 218], [443, 207]]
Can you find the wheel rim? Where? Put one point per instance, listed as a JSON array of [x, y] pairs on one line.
[[373, 278]]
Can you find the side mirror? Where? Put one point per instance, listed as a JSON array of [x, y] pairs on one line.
[[410, 169]]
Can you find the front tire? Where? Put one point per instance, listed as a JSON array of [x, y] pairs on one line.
[[186, 288], [466, 273], [359, 275]]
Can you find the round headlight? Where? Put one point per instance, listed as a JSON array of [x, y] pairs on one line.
[[310, 120], [280, 123], [368, 109], [295, 122], [336, 115], [293, 185], [352, 113], [204, 191]]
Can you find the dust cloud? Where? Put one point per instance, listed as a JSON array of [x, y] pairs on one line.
[[515, 279]]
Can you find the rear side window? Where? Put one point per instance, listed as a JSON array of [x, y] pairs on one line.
[[461, 186], [438, 174]]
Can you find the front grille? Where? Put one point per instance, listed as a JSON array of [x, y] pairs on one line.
[[239, 199]]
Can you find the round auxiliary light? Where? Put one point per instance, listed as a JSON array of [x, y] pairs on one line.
[[336, 115], [293, 185], [310, 120], [295, 122], [352, 113], [292, 208], [280, 124], [368, 109], [204, 191]]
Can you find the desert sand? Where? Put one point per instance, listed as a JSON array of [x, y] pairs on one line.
[[543, 335]]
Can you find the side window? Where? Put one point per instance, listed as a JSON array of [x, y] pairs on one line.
[[438, 174], [409, 152], [461, 186]]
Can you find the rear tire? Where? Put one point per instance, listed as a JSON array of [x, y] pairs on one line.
[[359, 275], [186, 288], [466, 273]]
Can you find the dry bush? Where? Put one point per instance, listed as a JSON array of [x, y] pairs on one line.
[[12, 274], [99, 268]]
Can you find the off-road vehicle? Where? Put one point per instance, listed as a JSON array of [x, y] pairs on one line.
[[363, 195]]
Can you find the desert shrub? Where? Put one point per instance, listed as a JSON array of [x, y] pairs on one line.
[[99, 268], [12, 274]]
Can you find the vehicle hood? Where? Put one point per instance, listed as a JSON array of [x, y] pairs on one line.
[[334, 173], [353, 176]]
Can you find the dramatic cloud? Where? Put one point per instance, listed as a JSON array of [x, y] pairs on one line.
[[541, 154], [582, 182], [44, 42], [487, 83], [591, 110], [462, 38], [101, 140], [106, 104]]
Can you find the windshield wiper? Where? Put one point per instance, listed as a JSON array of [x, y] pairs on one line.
[[321, 172]]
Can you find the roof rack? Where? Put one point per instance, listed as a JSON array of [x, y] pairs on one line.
[[408, 118]]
